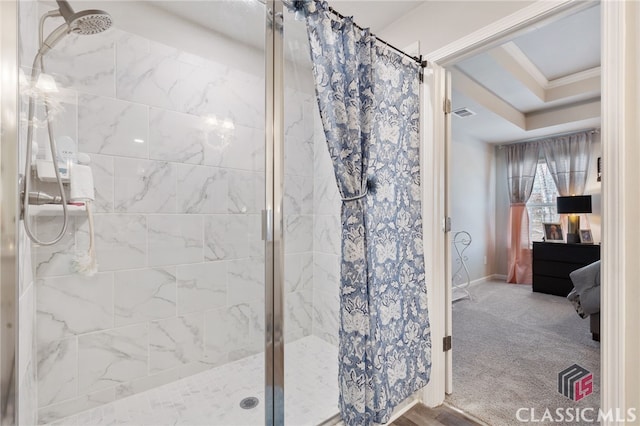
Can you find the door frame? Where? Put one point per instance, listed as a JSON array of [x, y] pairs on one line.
[[620, 133]]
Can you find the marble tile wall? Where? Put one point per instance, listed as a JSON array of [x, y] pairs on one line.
[[26, 374], [298, 209], [177, 149], [326, 240]]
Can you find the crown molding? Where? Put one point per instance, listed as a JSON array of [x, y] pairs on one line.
[[574, 78]]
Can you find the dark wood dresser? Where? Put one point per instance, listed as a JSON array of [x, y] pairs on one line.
[[553, 262]]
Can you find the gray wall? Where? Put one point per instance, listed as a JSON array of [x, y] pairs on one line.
[[473, 209]]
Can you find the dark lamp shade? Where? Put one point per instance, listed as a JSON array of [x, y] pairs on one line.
[[575, 204]]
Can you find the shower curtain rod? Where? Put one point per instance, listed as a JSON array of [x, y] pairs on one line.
[[417, 59], [558, 135]]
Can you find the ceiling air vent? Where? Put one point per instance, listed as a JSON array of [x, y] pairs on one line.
[[464, 112]]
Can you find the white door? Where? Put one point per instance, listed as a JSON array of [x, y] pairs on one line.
[[436, 131]]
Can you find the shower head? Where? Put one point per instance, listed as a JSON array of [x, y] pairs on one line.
[[85, 22]]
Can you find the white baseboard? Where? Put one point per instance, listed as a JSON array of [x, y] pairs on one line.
[[492, 277]]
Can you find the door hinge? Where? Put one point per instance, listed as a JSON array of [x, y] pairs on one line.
[[447, 106], [446, 343], [446, 226]]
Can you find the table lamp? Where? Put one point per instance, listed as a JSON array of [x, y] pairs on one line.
[[573, 206]]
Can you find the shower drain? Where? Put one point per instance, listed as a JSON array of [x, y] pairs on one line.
[[249, 403]]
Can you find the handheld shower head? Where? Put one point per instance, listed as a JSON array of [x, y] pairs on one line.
[[85, 22]]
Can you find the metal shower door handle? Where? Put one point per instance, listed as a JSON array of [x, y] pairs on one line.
[[267, 225]]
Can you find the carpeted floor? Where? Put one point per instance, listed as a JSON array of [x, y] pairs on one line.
[[509, 344]]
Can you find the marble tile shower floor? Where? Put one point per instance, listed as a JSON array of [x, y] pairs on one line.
[[213, 397]]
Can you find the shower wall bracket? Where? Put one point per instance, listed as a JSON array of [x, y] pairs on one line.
[[56, 210]]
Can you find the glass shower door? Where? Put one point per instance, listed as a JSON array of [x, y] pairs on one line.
[[312, 229], [168, 108]]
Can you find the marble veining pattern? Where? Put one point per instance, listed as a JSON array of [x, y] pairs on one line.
[[298, 315], [147, 72], [227, 329], [243, 148], [175, 341], [111, 357], [298, 233], [201, 286], [73, 305], [177, 137], [299, 272], [327, 232], [143, 186], [144, 294], [57, 371], [66, 408], [111, 126], [326, 272], [120, 240], [325, 315], [245, 281], [202, 189], [26, 372], [102, 167], [226, 237], [55, 260], [175, 239], [85, 63], [246, 192], [212, 397]]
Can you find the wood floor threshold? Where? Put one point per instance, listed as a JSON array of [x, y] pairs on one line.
[[444, 415]]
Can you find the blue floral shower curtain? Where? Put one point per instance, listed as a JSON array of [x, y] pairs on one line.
[[369, 104]]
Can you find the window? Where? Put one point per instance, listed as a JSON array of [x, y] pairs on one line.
[[542, 203]]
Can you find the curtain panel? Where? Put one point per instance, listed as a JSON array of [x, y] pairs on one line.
[[369, 104], [522, 160], [567, 158]]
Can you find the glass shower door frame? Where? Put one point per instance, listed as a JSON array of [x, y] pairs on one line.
[[272, 216], [8, 212]]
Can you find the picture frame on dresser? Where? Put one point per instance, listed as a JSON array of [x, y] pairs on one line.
[[553, 232], [586, 237]]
